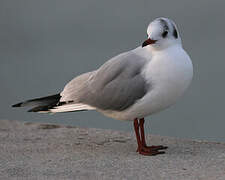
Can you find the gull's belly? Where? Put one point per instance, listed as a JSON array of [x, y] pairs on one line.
[[168, 78]]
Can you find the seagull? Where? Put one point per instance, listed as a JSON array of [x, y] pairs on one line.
[[131, 85]]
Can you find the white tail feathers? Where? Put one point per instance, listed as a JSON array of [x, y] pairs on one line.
[[71, 107]]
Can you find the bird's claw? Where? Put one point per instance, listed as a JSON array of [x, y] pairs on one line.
[[151, 150]]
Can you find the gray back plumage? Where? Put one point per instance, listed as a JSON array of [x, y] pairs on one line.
[[116, 85]]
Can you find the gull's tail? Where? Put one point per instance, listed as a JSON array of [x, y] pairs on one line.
[[42, 104], [52, 104]]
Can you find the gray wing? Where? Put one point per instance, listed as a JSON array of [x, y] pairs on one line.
[[116, 85]]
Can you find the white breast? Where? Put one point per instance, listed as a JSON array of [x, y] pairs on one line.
[[169, 73]]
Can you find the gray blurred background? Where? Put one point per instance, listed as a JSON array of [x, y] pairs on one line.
[[45, 43]]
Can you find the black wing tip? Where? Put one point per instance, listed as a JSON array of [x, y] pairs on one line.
[[42, 108], [53, 98], [17, 105]]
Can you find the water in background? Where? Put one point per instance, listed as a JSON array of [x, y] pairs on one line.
[[44, 44]]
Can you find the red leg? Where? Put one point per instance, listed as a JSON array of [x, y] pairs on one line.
[[142, 121], [142, 147], [136, 129]]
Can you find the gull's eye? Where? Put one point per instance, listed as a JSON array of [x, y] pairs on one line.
[[164, 34]]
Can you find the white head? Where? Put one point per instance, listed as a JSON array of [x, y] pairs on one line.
[[162, 33]]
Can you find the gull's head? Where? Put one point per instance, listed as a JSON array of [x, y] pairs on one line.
[[162, 33]]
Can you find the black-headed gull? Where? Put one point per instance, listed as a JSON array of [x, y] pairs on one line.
[[131, 85]]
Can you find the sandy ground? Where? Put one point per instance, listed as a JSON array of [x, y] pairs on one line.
[[43, 151]]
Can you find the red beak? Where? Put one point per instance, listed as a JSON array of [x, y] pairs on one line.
[[148, 41]]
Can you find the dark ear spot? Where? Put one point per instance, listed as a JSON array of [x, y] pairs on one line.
[[175, 33], [164, 24], [164, 34]]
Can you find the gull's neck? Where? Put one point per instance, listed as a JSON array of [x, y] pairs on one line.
[[148, 52], [163, 49]]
